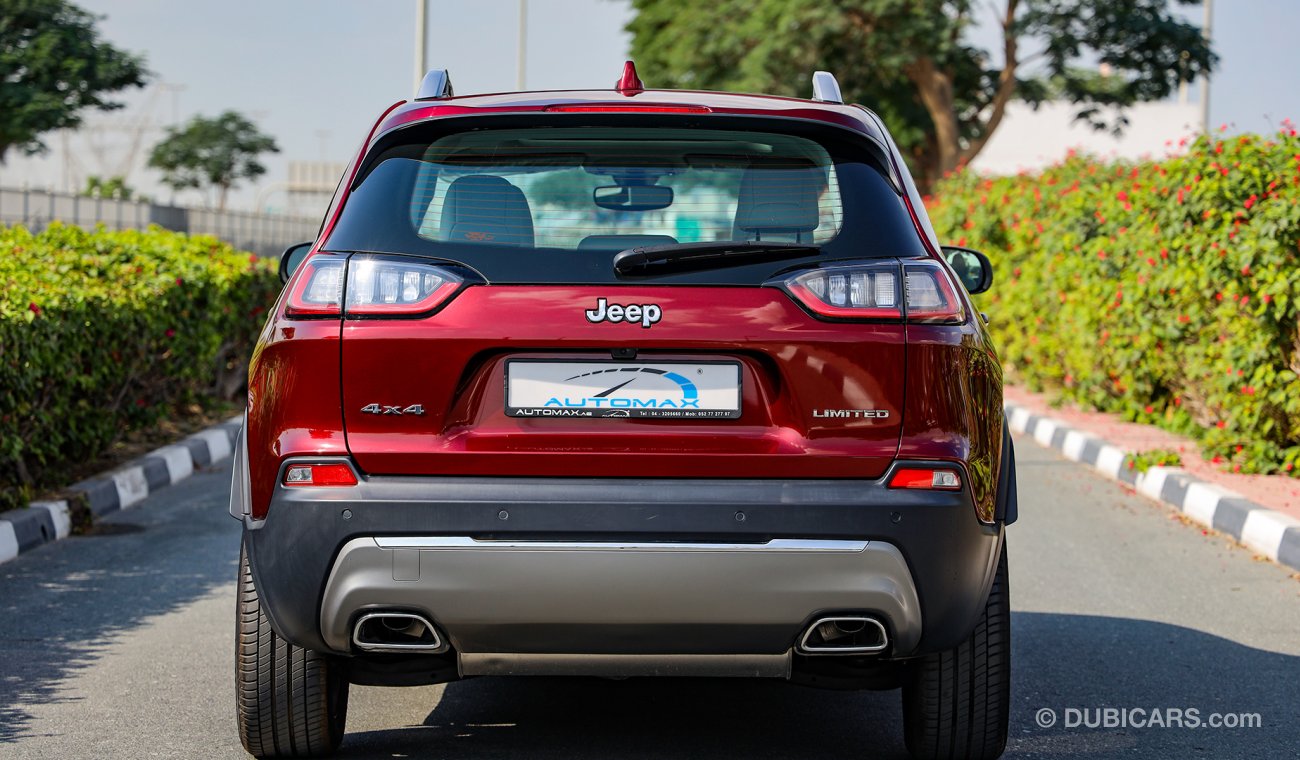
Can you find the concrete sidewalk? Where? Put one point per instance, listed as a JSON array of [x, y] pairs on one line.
[[1260, 511]]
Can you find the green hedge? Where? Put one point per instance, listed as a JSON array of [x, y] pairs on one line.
[[1166, 290], [104, 332]]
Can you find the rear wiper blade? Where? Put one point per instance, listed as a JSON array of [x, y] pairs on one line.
[[690, 257]]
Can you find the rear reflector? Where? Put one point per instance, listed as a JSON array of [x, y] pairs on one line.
[[941, 480], [335, 474]]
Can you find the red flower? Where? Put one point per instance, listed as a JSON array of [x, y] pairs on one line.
[[1149, 410], [1221, 424], [170, 332], [1249, 390], [1288, 467], [33, 308], [1184, 318], [1246, 270], [179, 281]]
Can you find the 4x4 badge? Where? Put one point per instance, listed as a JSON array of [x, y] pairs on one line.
[[395, 410]]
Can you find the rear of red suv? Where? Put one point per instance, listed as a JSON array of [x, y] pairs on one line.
[[625, 383]]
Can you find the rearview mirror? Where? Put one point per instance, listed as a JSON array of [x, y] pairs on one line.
[[291, 258], [633, 197], [972, 267]]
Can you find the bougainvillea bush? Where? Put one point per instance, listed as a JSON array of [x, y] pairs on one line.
[[1165, 290], [104, 332]]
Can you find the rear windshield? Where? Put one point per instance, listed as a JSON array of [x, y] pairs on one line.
[[556, 203]]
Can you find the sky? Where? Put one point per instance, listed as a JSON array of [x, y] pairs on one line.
[[316, 73]]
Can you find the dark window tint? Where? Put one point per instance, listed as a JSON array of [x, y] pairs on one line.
[[555, 203]]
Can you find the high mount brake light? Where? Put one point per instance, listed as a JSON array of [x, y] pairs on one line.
[[318, 288], [334, 474], [929, 479], [881, 290], [387, 287], [626, 108]]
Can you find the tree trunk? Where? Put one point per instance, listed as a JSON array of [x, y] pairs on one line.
[[935, 88], [221, 197]]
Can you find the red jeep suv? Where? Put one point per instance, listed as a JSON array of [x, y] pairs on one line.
[[625, 383]]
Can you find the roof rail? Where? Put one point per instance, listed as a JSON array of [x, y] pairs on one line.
[[436, 85], [826, 88]]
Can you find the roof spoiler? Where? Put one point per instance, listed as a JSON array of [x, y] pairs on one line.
[[826, 88], [436, 86]]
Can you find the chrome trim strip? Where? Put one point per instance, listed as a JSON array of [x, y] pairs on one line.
[[884, 637], [433, 543], [356, 633], [626, 665]]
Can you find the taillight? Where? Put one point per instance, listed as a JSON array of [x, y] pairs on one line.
[[931, 479], [318, 288], [388, 287], [931, 296], [921, 291], [849, 292], [331, 474]]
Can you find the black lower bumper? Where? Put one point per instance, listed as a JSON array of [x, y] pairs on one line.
[[950, 554]]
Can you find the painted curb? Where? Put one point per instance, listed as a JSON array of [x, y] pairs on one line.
[[41, 522], [1274, 534]]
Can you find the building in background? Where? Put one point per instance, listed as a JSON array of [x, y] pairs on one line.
[[1029, 140]]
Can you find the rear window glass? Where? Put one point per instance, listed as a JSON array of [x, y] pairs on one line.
[[555, 203]]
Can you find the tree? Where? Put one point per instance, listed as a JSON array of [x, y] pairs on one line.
[[217, 152], [53, 67], [914, 63], [111, 187]]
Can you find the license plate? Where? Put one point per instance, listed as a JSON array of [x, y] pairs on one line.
[[684, 390]]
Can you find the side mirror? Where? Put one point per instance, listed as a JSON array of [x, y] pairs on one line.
[[291, 258], [972, 267], [633, 197]]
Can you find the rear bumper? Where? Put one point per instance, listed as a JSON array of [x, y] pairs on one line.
[[619, 597], [611, 582]]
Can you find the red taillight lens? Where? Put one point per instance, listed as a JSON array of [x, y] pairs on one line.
[[387, 287], [931, 296], [318, 288], [868, 291], [333, 474], [930, 479]]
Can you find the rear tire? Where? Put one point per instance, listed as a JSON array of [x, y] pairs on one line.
[[291, 702], [957, 703]]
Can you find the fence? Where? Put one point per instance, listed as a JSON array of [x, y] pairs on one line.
[[263, 234]]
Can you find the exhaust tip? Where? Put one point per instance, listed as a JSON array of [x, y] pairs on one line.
[[844, 634], [395, 632]]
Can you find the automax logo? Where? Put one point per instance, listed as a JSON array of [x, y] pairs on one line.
[[590, 389], [689, 397]]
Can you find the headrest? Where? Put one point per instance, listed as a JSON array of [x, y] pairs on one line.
[[779, 196], [486, 209], [623, 242]]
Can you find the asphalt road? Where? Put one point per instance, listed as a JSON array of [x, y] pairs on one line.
[[119, 645]]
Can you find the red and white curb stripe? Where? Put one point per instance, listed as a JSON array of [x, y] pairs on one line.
[[1273, 534], [41, 522]]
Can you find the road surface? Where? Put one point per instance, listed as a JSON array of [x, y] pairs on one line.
[[119, 645]]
